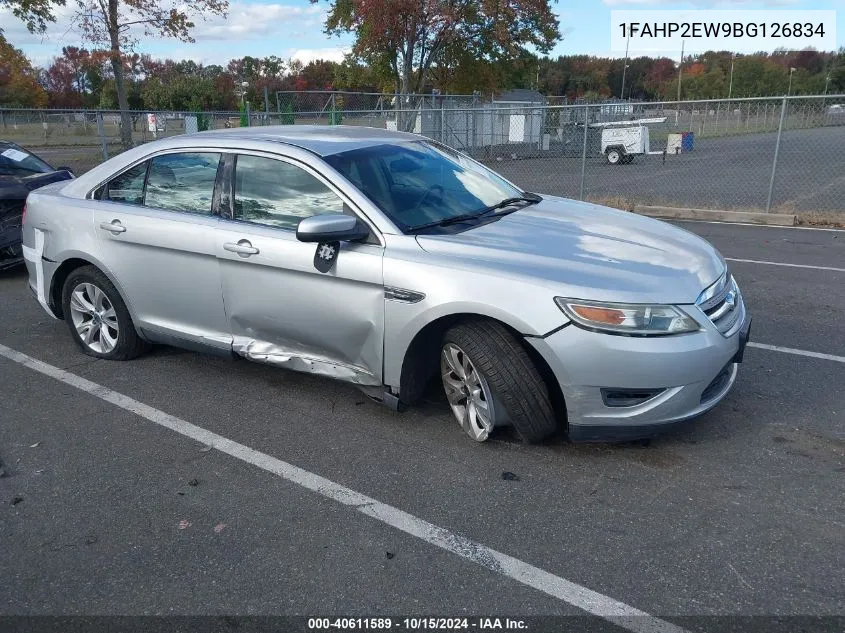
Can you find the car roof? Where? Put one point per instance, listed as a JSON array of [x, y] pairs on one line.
[[319, 139]]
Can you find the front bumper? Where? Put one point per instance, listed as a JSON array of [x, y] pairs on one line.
[[691, 374]]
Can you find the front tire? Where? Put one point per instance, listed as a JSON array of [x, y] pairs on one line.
[[97, 317], [490, 381]]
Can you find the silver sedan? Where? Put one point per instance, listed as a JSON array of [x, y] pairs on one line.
[[388, 260]]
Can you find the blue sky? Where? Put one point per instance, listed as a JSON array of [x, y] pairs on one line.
[[293, 28]]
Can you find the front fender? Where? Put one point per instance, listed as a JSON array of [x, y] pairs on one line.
[[403, 322]]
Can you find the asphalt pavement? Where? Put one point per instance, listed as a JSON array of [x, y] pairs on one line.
[[741, 513]]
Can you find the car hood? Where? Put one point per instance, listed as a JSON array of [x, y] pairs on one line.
[[587, 251]]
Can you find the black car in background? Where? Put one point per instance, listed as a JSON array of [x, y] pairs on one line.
[[21, 171]]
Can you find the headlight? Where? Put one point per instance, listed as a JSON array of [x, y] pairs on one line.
[[627, 318]]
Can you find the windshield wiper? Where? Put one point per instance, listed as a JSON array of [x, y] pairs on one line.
[[527, 197]]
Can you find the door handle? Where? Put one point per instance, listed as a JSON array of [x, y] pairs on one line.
[[243, 247], [113, 227]]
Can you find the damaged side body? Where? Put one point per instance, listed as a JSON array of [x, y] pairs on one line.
[[292, 357]]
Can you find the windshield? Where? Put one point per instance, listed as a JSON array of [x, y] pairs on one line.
[[14, 160], [421, 182]]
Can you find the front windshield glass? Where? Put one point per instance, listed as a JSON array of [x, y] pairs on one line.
[[421, 182], [14, 160]]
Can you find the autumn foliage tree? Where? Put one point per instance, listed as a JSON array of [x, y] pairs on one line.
[[411, 36], [112, 24], [19, 85], [73, 78]]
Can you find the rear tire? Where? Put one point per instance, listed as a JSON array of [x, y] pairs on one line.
[[515, 391], [614, 156], [97, 316]]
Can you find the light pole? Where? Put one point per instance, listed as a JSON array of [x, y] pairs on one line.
[[826, 84], [731, 82], [680, 68], [625, 67], [789, 89]]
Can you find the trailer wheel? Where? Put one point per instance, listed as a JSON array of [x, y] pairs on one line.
[[614, 156]]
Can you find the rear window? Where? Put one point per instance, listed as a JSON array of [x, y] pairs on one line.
[[15, 160]]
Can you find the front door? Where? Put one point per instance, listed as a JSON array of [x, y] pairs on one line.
[[280, 308], [158, 240]]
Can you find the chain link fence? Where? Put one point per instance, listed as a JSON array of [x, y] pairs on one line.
[[781, 154]]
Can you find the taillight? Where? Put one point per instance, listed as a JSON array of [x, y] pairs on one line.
[[23, 213]]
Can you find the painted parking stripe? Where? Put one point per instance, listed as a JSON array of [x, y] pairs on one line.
[[797, 352], [586, 599], [757, 261], [762, 226]]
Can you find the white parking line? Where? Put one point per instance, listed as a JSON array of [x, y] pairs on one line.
[[762, 226], [590, 601], [797, 352], [757, 261]]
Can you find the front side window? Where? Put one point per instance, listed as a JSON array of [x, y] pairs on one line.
[[128, 187], [420, 182], [182, 182], [278, 194]]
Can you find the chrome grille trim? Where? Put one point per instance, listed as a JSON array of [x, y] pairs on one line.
[[722, 303], [714, 294]]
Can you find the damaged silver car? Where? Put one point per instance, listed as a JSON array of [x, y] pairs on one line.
[[386, 260]]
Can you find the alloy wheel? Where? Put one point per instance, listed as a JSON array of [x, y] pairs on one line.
[[94, 318], [467, 392]]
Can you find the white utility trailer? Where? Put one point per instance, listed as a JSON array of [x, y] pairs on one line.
[[621, 141]]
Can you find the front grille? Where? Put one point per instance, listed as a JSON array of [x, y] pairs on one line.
[[717, 384], [722, 303]]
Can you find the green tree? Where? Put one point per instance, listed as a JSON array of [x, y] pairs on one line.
[[409, 36], [110, 23]]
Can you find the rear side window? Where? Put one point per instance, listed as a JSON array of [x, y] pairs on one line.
[[128, 187], [182, 182], [279, 194]]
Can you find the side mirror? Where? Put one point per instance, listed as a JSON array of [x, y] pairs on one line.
[[67, 169], [333, 227]]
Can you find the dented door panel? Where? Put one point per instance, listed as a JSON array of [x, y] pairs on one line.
[[282, 311]]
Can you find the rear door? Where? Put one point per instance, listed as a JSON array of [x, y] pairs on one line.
[[158, 239], [280, 308]]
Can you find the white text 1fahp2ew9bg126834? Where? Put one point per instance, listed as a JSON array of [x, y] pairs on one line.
[[739, 31]]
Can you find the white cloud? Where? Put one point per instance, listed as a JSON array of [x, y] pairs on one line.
[[250, 21], [246, 22], [305, 55], [61, 32]]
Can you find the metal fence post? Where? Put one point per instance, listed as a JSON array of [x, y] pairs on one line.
[[101, 132], [584, 151], [775, 161]]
